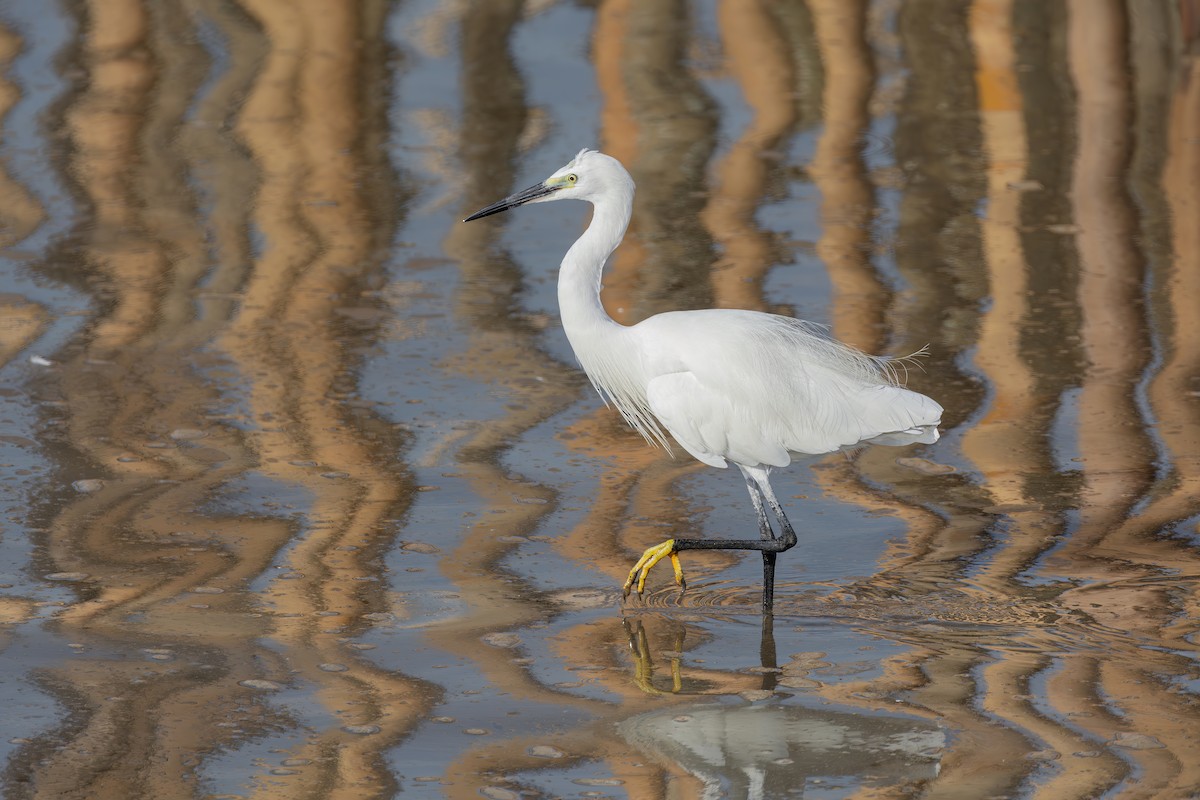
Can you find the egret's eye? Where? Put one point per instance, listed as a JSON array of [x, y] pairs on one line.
[[572, 178]]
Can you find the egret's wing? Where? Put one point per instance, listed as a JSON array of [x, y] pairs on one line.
[[708, 425], [673, 400], [755, 388], [816, 409], [893, 415]]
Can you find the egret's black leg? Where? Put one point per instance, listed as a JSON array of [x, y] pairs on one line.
[[768, 544], [765, 533], [762, 496], [768, 596]]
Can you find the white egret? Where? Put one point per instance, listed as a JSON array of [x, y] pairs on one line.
[[743, 386]]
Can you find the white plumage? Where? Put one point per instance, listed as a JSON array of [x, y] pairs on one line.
[[729, 386]]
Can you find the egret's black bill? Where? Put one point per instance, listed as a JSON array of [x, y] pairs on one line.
[[512, 201]]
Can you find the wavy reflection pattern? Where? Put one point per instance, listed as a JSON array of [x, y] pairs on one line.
[[235, 205], [1012, 182]]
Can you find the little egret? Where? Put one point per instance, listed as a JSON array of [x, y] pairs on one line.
[[743, 386]]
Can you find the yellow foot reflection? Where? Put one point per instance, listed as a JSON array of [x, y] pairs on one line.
[[643, 662], [652, 556]]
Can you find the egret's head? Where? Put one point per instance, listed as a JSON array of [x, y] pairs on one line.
[[588, 176]]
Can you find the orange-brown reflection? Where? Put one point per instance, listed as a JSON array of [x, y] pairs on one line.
[[20, 211], [502, 350], [758, 57], [1058, 705], [143, 402], [660, 122], [1172, 391], [21, 319], [837, 168], [315, 131]]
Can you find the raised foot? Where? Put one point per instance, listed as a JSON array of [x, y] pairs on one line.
[[652, 556]]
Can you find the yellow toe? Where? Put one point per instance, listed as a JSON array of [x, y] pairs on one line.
[[652, 556]]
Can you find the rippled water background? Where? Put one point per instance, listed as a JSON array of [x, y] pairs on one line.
[[304, 497]]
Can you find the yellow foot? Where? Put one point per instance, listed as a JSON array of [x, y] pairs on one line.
[[651, 557]]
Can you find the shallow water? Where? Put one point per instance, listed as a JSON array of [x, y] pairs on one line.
[[304, 495]]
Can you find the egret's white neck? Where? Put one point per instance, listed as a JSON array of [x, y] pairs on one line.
[[583, 266], [603, 346]]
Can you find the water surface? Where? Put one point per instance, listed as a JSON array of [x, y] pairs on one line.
[[304, 495]]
